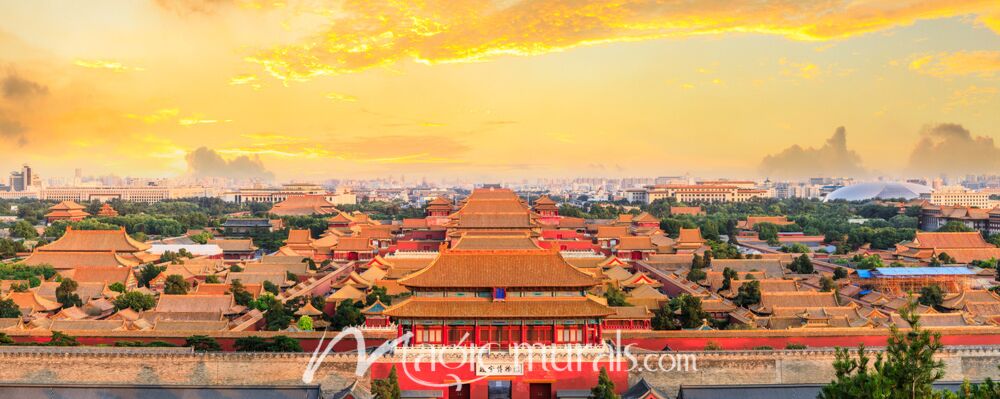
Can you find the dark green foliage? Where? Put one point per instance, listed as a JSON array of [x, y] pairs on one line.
[[696, 275], [203, 343], [66, 293], [727, 278], [148, 272], [271, 287], [60, 339], [826, 284], [722, 250], [839, 273], [867, 262], [794, 346], [9, 309], [879, 238], [907, 368], [23, 229], [135, 300], [212, 279], [176, 285], [240, 294], [387, 388], [748, 294], [377, 293], [281, 343], [251, 344], [58, 228], [615, 296], [681, 312], [117, 287], [605, 388], [277, 317], [796, 248], [5, 339], [348, 314], [955, 226], [931, 295], [802, 265], [25, 272], [175, 258], [9, 248]]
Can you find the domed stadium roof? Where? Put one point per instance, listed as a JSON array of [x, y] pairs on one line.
[[878, 190]]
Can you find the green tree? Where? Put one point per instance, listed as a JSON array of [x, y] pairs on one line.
[[826, 284], [271, 287], [605, 388], [277, 317], [252, 343], [906, 370], [117, 286], [23, 229], [348, 314], [9, 309], [946, 259], [839, 273], [203, 343], [281, 343], [802, 265], [60, 339], [378, 293], [212, 279], [240, 294], [135, 300], [696, 275], [176, 285], [931, 295], [955, 226], [387, 388], [868, 262], [66, 293], [305, 323], [148, 272], [615, 296], [727, 278], [748, 294]]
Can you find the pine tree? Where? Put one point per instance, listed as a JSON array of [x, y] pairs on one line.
[[907, 369], [387, 388], [605, 388]]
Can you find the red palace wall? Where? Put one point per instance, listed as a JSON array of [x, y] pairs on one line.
[[575, 378]]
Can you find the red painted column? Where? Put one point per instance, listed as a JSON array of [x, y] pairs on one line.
[[444, 333], [586, 332], [475, 331], [524, 332]]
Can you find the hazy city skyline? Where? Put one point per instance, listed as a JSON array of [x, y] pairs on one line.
[[312, 90]]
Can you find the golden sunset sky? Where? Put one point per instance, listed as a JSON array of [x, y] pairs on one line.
[[311, 90]]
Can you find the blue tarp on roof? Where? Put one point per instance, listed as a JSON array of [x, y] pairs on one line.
[[924, 271], [864, 273]]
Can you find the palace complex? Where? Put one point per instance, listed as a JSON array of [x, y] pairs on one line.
[[492, 269]]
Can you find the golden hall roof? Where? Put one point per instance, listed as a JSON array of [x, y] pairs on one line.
[[498, 268], [95, 240]]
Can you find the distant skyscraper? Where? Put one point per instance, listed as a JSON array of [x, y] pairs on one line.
[[23, 180]]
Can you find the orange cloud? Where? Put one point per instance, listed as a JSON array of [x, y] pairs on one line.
[[364, 34], [105, 64], [980, 63]]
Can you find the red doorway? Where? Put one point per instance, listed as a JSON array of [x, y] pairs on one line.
[[540, 391]]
